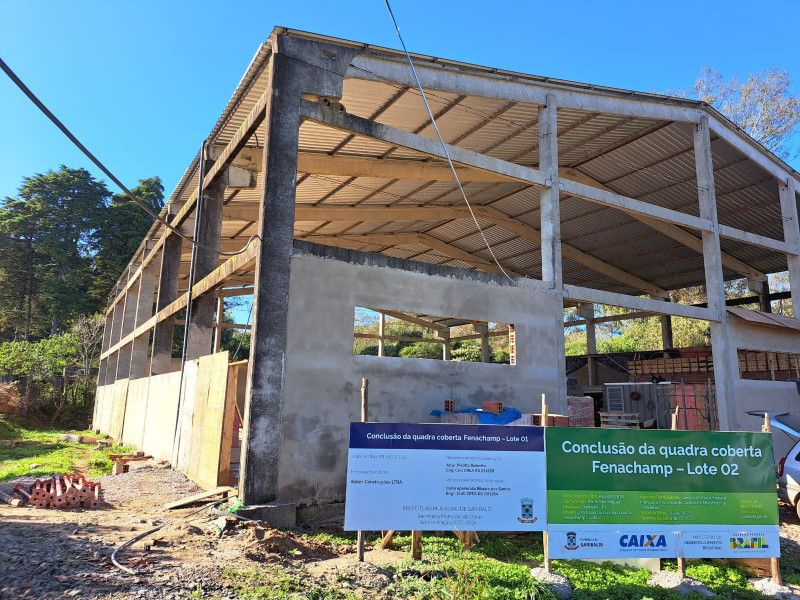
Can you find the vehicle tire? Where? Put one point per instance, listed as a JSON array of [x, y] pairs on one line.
[[797, 507]]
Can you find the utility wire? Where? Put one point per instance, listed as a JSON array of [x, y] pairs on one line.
[[441, 141], [57, 122]]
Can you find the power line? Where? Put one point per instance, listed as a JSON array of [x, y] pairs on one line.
[[442, 143], [57, 122]]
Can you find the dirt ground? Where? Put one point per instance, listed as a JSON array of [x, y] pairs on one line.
[[48, 553]]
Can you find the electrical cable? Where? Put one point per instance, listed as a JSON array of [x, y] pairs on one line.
[[57, 122], [144, 534], [442, 142]]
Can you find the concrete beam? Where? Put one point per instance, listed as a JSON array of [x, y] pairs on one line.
[[518, 88], [435, 213], [670, 230], [423, 239], [637, 303]]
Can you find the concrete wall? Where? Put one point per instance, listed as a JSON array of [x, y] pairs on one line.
[[772, 396], [322, 377]]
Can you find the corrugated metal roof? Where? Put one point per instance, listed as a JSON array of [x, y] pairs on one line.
[[642, 158]]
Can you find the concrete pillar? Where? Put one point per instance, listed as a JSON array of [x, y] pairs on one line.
[[764, 303], [218, 318], [128, 324], [144, 310], [381, 333], [296, 67], [587, 312], [791, 235], [723, 352], [483, 330], [666, 332], [199, 341], [550, 215], [169, 270], [446, 350]]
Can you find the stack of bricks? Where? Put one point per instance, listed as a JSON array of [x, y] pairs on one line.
[[552, 420], [61, 491], [492, 406], [581, 411]]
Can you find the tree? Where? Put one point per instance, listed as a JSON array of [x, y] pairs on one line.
[[88, 330], [49, 234], [122, 227], [762, 105]]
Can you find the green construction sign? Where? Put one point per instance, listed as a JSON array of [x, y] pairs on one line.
[[636, 492]]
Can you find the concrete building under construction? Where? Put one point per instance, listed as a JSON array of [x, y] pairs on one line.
[[322, 189]]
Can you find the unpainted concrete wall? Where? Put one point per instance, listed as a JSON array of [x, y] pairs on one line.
[[773, 396], [322, 377]]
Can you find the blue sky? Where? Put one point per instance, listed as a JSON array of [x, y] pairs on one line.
[[142, 82]]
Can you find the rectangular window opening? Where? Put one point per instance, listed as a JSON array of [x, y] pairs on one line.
[[403, 334]]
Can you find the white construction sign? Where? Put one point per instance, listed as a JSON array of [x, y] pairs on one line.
[[432, 477]]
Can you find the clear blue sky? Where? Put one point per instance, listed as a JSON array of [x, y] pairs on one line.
[[142, 82]]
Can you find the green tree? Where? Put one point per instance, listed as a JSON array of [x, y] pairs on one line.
[[763, 104], [122, 227], [49, 236]]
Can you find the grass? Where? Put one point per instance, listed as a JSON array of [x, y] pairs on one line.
[[497, 568], [43, 454]]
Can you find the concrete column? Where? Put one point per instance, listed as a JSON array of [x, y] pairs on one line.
[[764, 303], [723, 352], [486, 355], [550, 215], [199, 342], [791, 235], [587, 312], [218, 318], [666, 332], [381, 333], [549, 198], [296, 67], [144, 310], [446, 350], [169, 270], [128, 324]]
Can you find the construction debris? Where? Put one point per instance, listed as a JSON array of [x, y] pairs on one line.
[[60, 491], [121, 461], [225, 490]]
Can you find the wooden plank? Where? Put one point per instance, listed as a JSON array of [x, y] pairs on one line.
[[226, 439], [196, 441], [224, 490], [210, 428], [162, 408]]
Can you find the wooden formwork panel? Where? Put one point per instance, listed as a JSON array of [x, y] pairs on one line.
[[119, 396], [161, 409], [135, 412]]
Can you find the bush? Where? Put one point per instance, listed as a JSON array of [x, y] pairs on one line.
[[466, 351], [422, 350]]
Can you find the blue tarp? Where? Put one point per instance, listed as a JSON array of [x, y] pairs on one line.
[[508, 415]]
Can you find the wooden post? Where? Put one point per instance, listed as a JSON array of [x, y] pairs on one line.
[[364, 418], [416, 545], [381, 333], [774, 563], [681, 560], [545, 535]]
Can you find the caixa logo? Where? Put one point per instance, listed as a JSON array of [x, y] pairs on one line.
[[751, 543], [643, 541]]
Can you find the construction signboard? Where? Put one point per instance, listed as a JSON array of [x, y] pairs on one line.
[[435, 477], [620, 493]]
